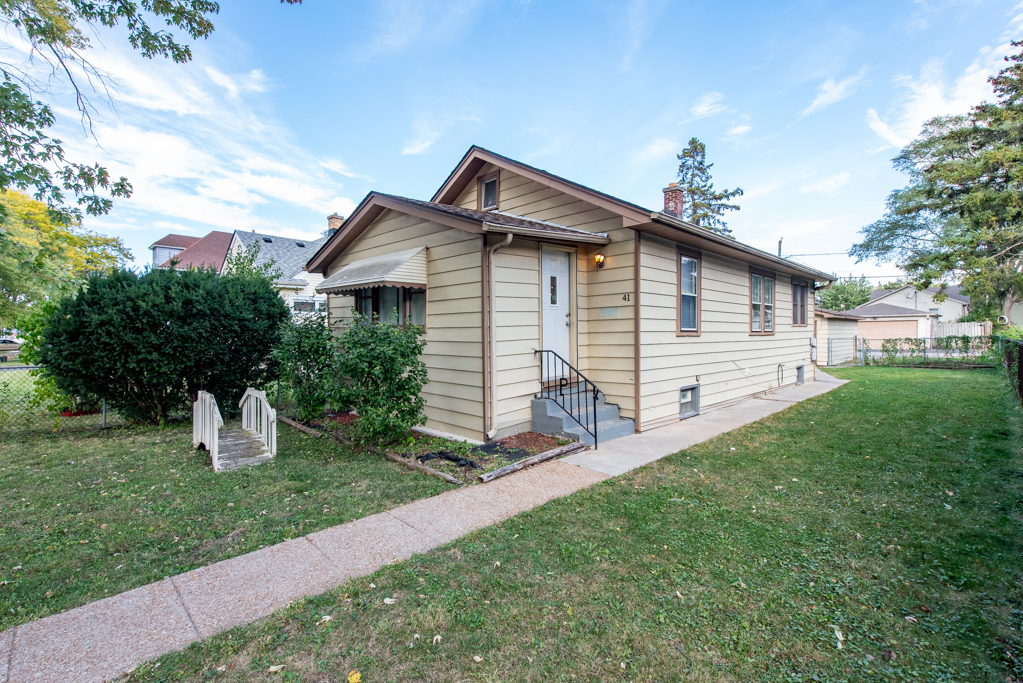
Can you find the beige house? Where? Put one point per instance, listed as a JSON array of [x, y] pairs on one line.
[[952, 308], [531, 285]]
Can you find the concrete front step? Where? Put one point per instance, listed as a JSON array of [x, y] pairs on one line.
[[549, 418]]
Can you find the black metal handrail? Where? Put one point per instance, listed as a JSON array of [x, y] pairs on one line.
[[569, 389]]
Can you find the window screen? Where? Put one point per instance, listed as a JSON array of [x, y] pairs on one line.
[[799, 303], [761, 303], [490, 194], [688, 293]]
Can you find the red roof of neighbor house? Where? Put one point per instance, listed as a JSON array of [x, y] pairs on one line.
[[175, 241], [208, 252]]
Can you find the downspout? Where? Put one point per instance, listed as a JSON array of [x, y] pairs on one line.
[[492, 351]]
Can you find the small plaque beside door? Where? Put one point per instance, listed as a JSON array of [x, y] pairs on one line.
[[611, 312]]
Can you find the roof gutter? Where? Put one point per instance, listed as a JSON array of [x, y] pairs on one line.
[[712, 236], [572, 236]]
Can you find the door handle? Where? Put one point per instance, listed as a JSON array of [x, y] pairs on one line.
[[568, 319]]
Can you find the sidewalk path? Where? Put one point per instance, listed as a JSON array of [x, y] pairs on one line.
[[103, 640]]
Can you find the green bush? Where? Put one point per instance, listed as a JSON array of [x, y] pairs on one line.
[[378, 372], [305, 355], [149, 342]]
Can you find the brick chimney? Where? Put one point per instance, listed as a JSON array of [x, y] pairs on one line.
[[673, 199], [334, 222]]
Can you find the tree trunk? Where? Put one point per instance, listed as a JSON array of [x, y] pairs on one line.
[[1009, 302]]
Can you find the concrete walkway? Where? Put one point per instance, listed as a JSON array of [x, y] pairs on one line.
[[103, 640]]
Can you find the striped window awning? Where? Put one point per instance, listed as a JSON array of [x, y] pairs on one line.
[[398, 269]]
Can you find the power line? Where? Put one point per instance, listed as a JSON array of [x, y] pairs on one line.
[[833, 253]]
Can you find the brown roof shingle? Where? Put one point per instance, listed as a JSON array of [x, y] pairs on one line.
[[175, 241], [208, 252]]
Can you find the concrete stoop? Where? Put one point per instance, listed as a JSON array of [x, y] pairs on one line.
[[549, 418]]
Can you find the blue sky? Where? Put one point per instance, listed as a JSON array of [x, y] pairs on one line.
[[290, 112]]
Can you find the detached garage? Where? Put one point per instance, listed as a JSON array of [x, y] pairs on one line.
[[836, 336], [884, 321]]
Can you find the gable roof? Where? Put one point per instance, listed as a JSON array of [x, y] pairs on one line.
[[469, 220], [208, 252], [175, 241], [288, 253], [841, 315], [887, 310], [659, 223], [954, 293]]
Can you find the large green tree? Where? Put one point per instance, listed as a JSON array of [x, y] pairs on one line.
[[845, 294], [58, 32], [961, 216], [42, 256], [703, 205]]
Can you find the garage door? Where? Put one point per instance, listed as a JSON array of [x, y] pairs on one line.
[[887, 329]]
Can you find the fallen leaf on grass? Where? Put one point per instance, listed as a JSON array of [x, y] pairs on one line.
[[275, 668], [437, 639], [911, 620], [354, 677], [477, 659], [839, 636], [889, 655], [389, 601], [924, 608]]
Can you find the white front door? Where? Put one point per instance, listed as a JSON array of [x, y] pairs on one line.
[[554, 293]]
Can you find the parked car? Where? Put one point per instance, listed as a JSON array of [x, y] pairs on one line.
[[8, 349]]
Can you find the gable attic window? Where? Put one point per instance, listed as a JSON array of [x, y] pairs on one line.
[[761, 302], [799, 290], [688, 293], [488, 192]]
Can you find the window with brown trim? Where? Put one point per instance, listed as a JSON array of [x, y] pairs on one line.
[[489, 192], [404, 305], [688, 294], [761, 287], [799, 290]]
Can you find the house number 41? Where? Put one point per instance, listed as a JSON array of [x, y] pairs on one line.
[[626, 297]]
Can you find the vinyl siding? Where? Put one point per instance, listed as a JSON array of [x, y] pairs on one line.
[[725, 351], [843, 332], [602, 349], [454, 324]]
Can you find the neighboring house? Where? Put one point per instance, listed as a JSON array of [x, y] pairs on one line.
[[836, 336], [954, 307], [505, 259], [207, 252], [296, 286], [885, 321], [169, 246]]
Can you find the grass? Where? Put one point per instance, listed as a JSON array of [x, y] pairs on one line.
[[92, 514], [887, 510]]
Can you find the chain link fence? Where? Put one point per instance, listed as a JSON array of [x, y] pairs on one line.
[[29, 403], [950, 352], [1011, 352]]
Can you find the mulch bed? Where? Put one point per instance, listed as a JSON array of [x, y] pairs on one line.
[[532, 442]]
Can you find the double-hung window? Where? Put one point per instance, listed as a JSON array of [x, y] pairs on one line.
[[799, 290], [761, 302], [688, 293]]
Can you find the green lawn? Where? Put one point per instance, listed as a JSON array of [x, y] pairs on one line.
[[887, 510], [87, 515]]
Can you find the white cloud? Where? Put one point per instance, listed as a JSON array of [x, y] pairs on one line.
[[655, 151], [403, 24], [738, 129], [254, 81], [640, 17], [831, 91], [429, 127], [708, 104], [425, 135], [931, 94], [829, 185]]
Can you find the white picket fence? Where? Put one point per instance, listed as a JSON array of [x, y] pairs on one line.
[[979, 329], [206, 424], [259, 418]]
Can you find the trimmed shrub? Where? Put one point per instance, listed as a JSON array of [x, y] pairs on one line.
[[379, 373], [149, 343], [305, 355]]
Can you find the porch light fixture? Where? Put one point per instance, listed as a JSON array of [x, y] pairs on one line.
[[599, 258]]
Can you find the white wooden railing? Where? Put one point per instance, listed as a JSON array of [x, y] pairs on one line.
[[259, 418], [206, 424]]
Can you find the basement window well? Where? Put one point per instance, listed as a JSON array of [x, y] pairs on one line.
[[688, 401], [799, 374]]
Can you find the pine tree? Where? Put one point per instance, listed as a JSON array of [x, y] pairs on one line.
[[702, 205]]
